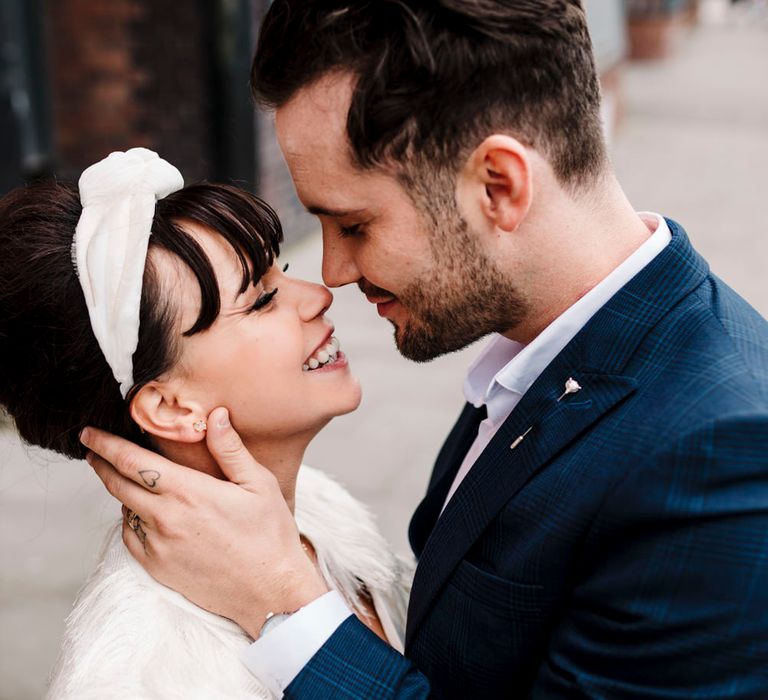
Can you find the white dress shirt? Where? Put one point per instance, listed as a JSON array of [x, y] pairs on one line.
[[498, 379], [505, 370]]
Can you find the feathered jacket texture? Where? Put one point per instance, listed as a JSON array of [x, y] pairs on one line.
[[130, 637]]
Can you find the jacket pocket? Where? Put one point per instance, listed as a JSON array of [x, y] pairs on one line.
[[483, 637], [524, 601]]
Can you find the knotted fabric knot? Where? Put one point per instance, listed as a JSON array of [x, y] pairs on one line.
[[118, 195]]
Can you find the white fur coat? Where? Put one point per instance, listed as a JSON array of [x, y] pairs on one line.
[[131, 638]]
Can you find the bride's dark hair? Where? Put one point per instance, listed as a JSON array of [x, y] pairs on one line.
[[54, 379]]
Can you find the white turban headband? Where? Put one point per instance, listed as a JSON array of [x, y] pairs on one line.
[[118, 195]]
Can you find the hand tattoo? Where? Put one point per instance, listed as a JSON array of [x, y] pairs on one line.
[[150, 477]]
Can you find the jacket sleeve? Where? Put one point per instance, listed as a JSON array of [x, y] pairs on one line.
[[355, 663], [673, 598]]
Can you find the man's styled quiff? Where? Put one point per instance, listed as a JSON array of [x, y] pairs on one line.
[[435, 77]]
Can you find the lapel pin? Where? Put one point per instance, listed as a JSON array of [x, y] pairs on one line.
[[518, 440], [571, 387]]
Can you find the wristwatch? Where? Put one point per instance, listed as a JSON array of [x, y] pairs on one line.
[[273, 620]]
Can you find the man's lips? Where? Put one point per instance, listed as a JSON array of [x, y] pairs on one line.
[[380, 299], [384, 300], [384, 310], [384, 305]]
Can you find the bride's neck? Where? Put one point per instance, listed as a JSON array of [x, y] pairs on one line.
[[283, 458]]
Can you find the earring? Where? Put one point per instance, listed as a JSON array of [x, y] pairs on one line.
[[200, 426]]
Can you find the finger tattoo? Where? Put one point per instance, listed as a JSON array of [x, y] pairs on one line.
[[150, 477]]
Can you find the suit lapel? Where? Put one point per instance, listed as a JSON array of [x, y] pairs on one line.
[[501, 472], [447, 464], [596, 358]]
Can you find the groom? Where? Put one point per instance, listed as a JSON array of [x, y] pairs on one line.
[[596, 524]]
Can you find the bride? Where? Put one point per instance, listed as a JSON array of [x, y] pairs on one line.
[[144, 336]]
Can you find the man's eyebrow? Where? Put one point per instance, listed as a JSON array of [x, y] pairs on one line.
[[334, 213]]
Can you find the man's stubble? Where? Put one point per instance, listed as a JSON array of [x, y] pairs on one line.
[[465, 296]]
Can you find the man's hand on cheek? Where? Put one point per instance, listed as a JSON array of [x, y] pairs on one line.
[[231, 547]]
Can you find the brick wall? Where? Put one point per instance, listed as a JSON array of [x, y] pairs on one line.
[[129, 73], [173, 49]]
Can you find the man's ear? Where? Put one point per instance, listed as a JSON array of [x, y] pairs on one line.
[[495, 186], [158, 410]]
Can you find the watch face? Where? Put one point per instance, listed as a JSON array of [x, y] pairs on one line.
[[274, 621]]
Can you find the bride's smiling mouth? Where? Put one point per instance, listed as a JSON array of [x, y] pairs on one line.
[[327, 355]]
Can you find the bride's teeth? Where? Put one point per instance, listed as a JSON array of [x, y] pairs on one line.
[[329, 353]]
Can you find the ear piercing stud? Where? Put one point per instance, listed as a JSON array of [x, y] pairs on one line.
[[200, 426]]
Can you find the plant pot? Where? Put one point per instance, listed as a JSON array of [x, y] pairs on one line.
[[652, 37]]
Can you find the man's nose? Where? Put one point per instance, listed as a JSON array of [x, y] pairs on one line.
[[339, 267], [313, 299]]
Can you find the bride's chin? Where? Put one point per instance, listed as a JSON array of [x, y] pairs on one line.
[[350, 409], [356, 395], [350, 401]]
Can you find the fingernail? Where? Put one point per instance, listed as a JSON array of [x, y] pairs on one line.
[[85, 435], [89, 458], [222, 420]]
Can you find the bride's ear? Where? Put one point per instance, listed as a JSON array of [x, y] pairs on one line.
[[158, 410]]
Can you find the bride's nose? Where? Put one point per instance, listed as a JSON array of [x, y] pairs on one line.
[[313, 300]]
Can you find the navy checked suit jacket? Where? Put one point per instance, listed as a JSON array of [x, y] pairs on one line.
[[621, 550]]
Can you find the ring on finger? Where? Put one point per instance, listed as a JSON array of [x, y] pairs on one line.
[[134, 520]]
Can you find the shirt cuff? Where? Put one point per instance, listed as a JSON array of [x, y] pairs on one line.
[[278, 657]]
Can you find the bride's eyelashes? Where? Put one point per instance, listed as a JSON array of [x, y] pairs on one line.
[[264, 300]]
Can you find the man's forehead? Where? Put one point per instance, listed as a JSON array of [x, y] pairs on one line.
[[312, 132], [313, 124]]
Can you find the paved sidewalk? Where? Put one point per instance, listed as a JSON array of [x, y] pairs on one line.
[[693, 145]]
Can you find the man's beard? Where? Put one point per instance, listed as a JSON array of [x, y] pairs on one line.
[[463, 298]]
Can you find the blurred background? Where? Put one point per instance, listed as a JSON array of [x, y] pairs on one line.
[[686, 114]]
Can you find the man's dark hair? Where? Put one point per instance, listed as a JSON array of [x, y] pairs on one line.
[[54, 378], [435, 77]]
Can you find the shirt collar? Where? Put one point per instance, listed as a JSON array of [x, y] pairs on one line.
[[482, 373], [507, 365]]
